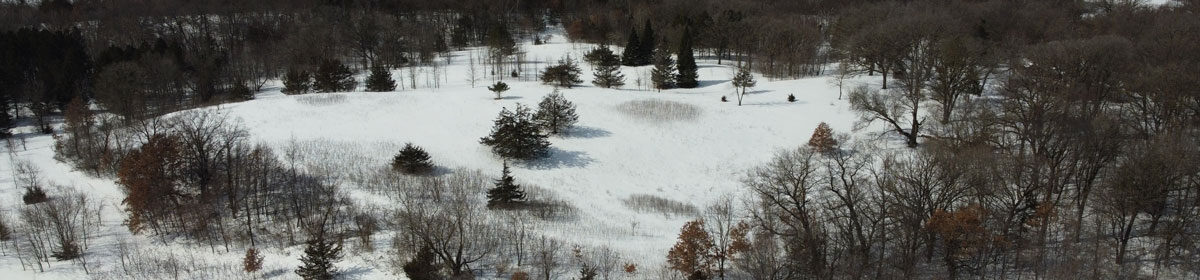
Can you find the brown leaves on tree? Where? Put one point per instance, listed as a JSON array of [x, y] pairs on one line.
[[822, 138], [253, 261], [691, 254], [150, 175]]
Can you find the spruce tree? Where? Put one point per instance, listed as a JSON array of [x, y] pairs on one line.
[[516, 135], [647, 49], [498, 88], [412, 160], [319, 255], [630, 56], [380, 80], [687, 62], [332, 76], [663, 74], [608, 68], [296, 81], [555, 113], [506, 193]]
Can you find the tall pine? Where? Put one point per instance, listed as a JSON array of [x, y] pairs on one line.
[[663, 74], [687, 62], [631, 55], [608, 68], [332, 76], [506, 193], [646, 50], [380, 80]]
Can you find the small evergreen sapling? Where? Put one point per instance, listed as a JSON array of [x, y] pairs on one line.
[[564, 74], [412, 160], [608, 68], [498, 88], [791, 98], [380, 80], [555, 113], [506, 193]]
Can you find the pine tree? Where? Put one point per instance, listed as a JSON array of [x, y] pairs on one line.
[[647, 49], [296, 81], [791, 98], [687, 62], [742, 81], [663, 74], [241, 92], [822, 138], [500, 41], [319, 255], [608, 68], [506, 193], [564, 74], [555, 113], [412, 160], [516, 135], [423, 266], [630, 56], [332, 76], [380, 80], [252, 262], [498, 88]]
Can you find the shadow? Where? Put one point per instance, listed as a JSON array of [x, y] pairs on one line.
[[508, 98], [585, 132], [708, 83], [558, 158], [276, 272], [354, 272], [757, 91]]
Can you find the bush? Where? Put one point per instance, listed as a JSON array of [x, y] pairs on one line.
[[822, 139], [296, 81], [412, 160], [380, 80], [650, 203], [253, 261], [332, 76], [423, 266], [791, 98], [241, 92], [34, 195]]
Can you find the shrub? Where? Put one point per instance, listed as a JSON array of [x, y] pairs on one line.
[[253, 261], [296, 81], [516, 135], [34, 195], [791, 98], [564, 74], [822, 138]]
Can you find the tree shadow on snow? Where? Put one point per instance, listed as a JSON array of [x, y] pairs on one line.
[[708, 83], [586, 132], [354, 272], [559, 158], [275, 273], [508, 98]]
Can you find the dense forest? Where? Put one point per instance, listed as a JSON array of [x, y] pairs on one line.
[[1040, 139]]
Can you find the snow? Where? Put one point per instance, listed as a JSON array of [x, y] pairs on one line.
[[608, 157]]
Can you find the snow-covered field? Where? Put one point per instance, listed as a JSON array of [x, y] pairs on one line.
[[692, 157]]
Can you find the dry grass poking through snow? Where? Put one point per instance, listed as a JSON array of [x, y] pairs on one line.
[[321, 99], [659, 110], [651, 203]]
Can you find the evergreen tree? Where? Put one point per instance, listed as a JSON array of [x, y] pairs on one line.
[[241, 92], [564, 74], [412, 160], [506, 193], [646, 50], [741, 82], [608, 68], [296, 81], [516, 135], [555, 113], [380, 80], [630, 56], [687, 62], [498, 88], [423, 266], [6, 120], [663, 74], [332, 76], [791, 98], [319, 255], [500, 41]]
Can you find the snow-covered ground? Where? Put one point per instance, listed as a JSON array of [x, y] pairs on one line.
[[608, 157]]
